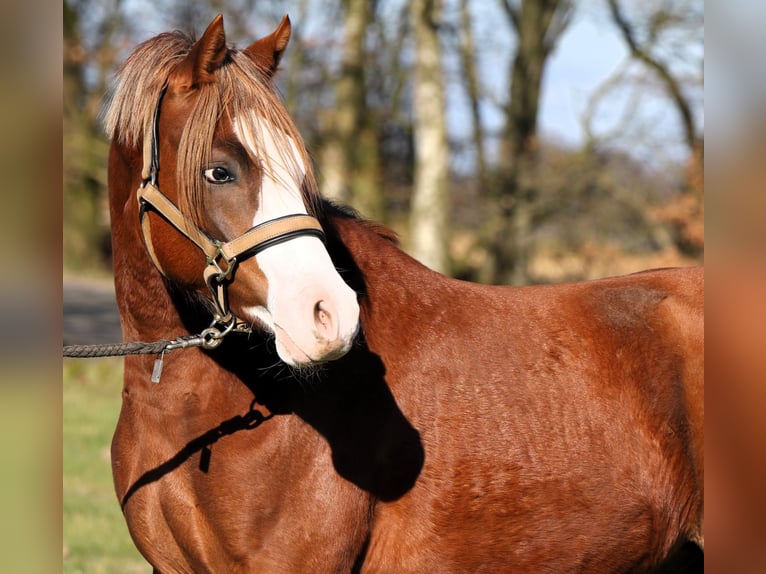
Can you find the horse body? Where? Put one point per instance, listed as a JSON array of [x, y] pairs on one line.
[[557, 436], [558, 422], [469, 428]]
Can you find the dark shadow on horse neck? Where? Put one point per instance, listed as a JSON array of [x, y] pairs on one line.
[[348, 401]]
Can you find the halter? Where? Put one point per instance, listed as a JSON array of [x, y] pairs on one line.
[[222, 257]]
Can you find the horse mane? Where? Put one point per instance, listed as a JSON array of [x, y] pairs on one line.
[[242, 90], [344, 211]]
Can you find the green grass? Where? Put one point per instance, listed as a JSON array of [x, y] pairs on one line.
[[96, 538]]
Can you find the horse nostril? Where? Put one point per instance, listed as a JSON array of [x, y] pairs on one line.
[[324, 321]]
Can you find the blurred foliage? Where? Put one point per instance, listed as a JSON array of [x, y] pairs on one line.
[[95, 537], [593, 214], [86, 225]]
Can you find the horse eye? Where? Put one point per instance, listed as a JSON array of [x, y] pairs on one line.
[[218, 175]]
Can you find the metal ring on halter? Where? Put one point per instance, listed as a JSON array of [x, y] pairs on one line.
[[212, 336]]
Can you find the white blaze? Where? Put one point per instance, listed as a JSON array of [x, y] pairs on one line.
[[301, 276]]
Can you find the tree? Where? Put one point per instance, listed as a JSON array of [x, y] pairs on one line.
[[428, 221], [86, 241], [473, 90], [538, 24], [659, 21], [349, 155], [658, 36], [366, 81]]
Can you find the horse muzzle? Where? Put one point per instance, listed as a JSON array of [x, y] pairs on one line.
[[312, 312]]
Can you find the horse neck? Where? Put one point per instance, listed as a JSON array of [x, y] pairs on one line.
[[398, 294], [146, 307]]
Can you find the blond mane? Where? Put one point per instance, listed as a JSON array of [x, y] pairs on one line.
[[242, 91]]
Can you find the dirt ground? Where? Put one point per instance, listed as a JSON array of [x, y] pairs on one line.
[[90, 312]]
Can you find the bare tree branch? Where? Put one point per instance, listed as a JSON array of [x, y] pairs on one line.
[[512, 10], [560, 16], [468, 64], [642, 53]]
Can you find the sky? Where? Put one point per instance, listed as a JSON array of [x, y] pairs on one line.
[[586, 56]]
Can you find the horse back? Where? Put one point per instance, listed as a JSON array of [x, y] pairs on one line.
[[667, 306]]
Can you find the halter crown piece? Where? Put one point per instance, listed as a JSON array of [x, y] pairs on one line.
[[222, 257]]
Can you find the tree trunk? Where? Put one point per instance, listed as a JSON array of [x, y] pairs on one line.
[[538, 25], [468, 65], [349, 160], [428, 220]]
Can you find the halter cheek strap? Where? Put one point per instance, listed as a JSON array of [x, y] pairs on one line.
[[222, 257]]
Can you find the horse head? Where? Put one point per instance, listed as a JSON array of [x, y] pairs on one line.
[[227, 195]]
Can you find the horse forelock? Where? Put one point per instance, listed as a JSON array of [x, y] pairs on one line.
[[241, 94], [130, 106], [272, 139]]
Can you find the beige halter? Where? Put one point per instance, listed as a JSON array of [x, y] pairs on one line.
[[221, 256]]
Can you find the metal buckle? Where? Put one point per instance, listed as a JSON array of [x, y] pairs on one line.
[[212, 260]]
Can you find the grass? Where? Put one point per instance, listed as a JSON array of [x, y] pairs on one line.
[[96, 538]]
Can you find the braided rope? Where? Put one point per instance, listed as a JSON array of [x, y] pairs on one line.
[[132, 348]]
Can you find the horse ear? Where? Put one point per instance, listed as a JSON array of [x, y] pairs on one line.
[[267, 52], [205, 57]]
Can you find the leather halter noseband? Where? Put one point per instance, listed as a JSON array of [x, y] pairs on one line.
[[222, 256]]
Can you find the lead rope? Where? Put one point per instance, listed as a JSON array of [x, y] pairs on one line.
[[208, 339]]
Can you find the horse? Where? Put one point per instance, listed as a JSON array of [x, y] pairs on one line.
[[352, 410]]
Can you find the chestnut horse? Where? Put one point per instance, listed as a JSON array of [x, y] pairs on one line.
[[364, 413]]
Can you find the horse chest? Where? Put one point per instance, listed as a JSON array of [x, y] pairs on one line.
[[250, 500]]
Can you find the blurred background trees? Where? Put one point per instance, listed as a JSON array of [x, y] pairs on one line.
[[426, 115]]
